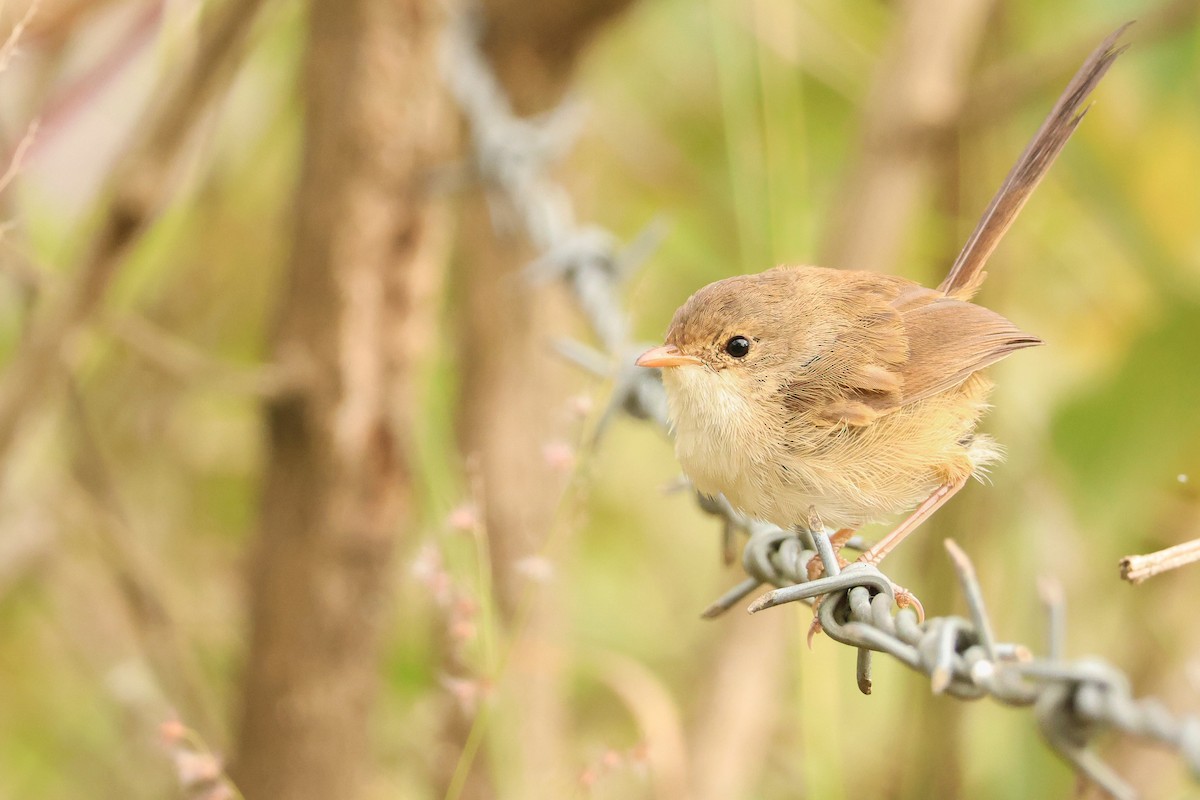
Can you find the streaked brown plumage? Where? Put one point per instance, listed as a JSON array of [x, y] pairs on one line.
[[852, 393]]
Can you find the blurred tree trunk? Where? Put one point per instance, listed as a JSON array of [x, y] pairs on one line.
[[337, 489], [514, 389]]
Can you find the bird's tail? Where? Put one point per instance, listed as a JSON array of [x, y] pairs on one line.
[[967, 274]]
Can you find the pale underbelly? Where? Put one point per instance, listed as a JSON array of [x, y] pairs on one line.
[[785, 488], [778, 496], [849, 475]]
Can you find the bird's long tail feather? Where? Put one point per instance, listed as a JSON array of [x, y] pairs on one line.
[[967, 274]]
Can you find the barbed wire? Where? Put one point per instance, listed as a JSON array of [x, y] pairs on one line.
[[1073, 700]]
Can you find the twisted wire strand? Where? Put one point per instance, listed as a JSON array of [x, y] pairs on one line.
[[1073, 700]]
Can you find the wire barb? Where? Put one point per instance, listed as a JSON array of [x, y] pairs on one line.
[[1072, 700]]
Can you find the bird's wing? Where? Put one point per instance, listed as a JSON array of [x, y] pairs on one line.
[[853, 372], [949, 339], [903, 343]]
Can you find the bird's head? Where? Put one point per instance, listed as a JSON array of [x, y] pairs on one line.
[[739, 325]]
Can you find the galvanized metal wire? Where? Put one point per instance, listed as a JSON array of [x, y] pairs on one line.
[[1073, 700]]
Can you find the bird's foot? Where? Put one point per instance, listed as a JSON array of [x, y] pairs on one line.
[[906, 599], [816, 568]]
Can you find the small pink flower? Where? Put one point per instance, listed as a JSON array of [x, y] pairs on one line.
[[538, 569], [559, 456], [465, 518], [638, 759], [195, 769], [172, 732], [462, 630], [581, 405], [427, 564], [611, 759], [465, 606], [465, 691], [429, 571]]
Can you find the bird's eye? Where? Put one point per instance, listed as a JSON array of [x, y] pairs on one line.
[[738, 346]]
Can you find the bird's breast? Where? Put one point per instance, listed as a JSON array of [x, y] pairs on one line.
[[776, 466], [727, 443], [713, 423]]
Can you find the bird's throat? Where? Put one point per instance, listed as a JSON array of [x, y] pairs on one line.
[[718, 433]]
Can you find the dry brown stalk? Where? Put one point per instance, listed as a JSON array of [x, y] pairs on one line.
[[1136, 569]]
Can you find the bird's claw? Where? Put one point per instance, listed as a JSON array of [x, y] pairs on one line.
[[815, 568], [815, 627], [906, 599]]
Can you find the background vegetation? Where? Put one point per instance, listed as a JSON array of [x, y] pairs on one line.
[[469, 599]]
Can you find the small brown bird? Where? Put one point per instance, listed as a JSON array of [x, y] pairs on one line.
[[853, 394]]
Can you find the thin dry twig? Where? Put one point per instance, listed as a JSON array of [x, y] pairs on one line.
[[138, 189], [8, 50], [18, 155], [186, 362], [1136, 569], [74, 96], [26, 545], [56, 23]]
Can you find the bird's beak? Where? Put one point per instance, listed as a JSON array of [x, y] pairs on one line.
[[666, 356]]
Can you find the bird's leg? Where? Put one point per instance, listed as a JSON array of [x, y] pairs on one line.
[[839, 539], [815, 568], [904, 598], [923, 512]]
